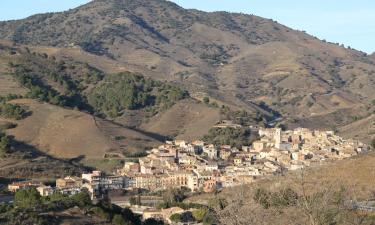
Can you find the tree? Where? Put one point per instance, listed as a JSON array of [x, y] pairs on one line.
[[27, 198], [82, 199]]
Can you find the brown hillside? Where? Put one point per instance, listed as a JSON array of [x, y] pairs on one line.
[[237, 58], [363, 129], [65, 133], [60, 132], [187, 120]]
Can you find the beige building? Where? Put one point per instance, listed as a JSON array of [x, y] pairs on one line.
[[69, 182], [15, 186], [45, 190]]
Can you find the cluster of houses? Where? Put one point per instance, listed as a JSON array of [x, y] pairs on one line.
[[96, 184], [206, 167]]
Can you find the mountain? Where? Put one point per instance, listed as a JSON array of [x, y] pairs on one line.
[[242, 60]]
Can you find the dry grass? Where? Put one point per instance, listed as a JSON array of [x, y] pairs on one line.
[[187, 120], [60, 132]]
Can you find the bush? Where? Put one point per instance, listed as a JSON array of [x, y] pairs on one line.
[[206, 100], [119, 220], [4, 143], [98, 211], [284, 198], [200, 214], [7, 126], [175, 218], [12, 111]]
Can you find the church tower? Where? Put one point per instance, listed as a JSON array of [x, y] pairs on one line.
[[277, 138]]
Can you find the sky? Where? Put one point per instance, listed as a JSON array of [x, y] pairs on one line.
[[349, 22]]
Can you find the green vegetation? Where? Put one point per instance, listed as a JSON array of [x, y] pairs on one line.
[[229, 136], [27, 198], [176, 218], [37, 89], [220, 203], [241, 117], [7, 125], [31, 208], [175, 198], [4, 143], [12, 111], [203, 215], [58, 83], [127, 91], [283, 198], [206, 100], [199, 214], [373, 143]]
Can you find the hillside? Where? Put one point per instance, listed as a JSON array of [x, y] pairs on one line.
[[75, 92], [239, 59], [315, 195]]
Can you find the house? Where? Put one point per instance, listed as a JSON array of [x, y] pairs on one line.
[[259, 146], [238, 161], [209, 185], [23, 185], [211, 166], [69, 182], [246, 148], [224, 154], [45, 190], [210, 151], [99, 180]]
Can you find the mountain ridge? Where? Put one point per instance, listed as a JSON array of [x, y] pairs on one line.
[[236, 58]]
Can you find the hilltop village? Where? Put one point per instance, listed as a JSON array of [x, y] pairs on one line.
[[204, 167]]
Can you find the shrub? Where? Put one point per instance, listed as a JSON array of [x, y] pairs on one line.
[[12, 111], [200, 214], [119, 220], [284, 198], [175, 218], [206, 100], [7, 126], [4, 143]]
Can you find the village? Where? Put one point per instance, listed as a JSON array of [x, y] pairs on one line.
[[203, 167]]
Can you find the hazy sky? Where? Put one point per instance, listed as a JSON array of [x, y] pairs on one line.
[[345, 21]]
